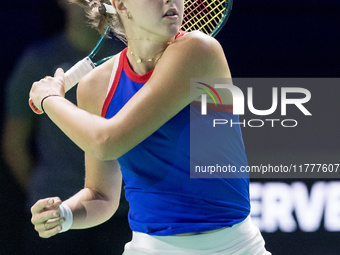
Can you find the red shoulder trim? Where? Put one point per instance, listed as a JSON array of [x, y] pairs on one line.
[[114, 84], [180, 34]]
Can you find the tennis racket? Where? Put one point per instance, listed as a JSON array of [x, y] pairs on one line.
[[80, 69], [207, 16]]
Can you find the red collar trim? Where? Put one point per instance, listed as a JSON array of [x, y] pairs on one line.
[[130, 73]]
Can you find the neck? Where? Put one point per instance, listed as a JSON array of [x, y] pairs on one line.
[[144, 53]]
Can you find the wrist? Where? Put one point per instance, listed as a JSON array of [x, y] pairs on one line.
[[42, 101], [66, 212]]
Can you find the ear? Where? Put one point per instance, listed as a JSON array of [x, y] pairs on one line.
[[120, 7]]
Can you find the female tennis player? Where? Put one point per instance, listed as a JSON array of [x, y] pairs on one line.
[[132, 120]]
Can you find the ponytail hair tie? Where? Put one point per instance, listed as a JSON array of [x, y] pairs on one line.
[[108, 9]]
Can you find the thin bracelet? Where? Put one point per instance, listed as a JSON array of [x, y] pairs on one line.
[[42, 101]]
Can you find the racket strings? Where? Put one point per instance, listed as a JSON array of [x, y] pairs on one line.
[[203, 15]]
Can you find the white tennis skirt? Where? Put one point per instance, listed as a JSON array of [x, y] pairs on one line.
[[243, 238]]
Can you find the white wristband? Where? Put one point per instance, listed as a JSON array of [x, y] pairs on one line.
[[66, 213]]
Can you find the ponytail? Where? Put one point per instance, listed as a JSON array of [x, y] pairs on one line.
[[100, 19]]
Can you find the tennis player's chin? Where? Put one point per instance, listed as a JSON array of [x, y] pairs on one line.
[[172, 29]]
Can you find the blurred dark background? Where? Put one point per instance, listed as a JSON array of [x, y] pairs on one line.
[[268, 39], [22, 23]]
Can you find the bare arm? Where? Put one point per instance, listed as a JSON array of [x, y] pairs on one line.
[[91, 206], [99, 199], [164, 95]]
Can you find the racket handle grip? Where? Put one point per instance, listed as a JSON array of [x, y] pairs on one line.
[[78, 71], [72, 77]]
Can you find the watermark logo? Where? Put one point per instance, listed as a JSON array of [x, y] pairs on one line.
[[238, 100], [204, 96], [293, 97]]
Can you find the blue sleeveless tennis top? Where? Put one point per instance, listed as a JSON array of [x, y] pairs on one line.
[[163, 199]]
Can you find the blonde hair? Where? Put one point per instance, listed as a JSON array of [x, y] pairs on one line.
[[100, 19]]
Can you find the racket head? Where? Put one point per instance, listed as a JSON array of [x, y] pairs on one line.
[[207, 16]]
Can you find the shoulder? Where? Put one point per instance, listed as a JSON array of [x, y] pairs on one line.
[[202, 53], [197, 42], [92, 89], [203, 39]]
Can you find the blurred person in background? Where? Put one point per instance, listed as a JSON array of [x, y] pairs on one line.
[[35, 15], [42, 160]]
